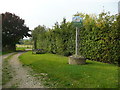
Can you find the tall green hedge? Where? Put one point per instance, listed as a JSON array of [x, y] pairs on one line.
[[99, 38]]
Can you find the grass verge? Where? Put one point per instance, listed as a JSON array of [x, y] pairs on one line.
[[54, 71], [7, 52], [7, 72]]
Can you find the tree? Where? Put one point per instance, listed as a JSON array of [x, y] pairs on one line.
[[39, 30], [13, 29]]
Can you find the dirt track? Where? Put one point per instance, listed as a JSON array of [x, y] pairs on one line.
[[21, 78]]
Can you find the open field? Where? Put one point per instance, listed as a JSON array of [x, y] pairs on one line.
[[18, 47], [23, 47], [56, 72]]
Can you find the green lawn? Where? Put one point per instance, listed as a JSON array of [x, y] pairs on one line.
[[62, 75]]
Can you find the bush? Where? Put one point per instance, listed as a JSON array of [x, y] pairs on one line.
[[39, 51], [99, 38]]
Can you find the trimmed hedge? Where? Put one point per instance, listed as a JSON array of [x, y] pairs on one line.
[[99, 38]]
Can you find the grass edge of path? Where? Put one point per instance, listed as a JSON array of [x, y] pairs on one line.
[[7, 72]]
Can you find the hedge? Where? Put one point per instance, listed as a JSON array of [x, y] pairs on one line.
[[99, 38]]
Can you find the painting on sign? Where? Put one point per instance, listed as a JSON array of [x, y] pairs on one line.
[[77, 19]]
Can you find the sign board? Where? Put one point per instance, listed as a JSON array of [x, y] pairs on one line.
[[77, 19]]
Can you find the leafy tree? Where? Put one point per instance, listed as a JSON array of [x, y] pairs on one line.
[[37, 33], [26, 41], [13, 29]]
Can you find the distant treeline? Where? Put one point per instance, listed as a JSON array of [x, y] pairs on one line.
[[99, 37]]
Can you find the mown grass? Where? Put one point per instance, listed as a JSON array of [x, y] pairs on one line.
[[7, 71], [57, 73]]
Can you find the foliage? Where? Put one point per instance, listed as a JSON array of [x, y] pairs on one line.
[[25, 41], [13, 29], [36, 33], [58, 40], [54, 71], [99, 38]]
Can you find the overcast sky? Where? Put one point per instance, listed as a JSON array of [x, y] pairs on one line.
[[47, 12]]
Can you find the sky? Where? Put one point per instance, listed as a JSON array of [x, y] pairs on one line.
[[47, 12]]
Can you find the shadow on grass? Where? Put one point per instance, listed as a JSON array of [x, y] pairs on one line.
[[89, 63], [20, 51]]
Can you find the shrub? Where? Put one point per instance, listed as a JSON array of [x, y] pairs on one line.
[[99, 38]]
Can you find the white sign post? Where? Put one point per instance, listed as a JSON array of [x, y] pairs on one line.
[[77, 20], [77, 59], [76, 42]]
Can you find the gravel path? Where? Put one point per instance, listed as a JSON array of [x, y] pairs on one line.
[[22, 78]]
